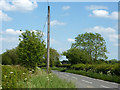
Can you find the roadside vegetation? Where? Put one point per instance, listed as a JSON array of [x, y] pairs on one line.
[[87, 56], [15, 76], [108, 72], [19, 65]]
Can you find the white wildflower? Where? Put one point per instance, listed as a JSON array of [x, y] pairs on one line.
[[38, 68], [25, 79], [46, 77], [23, 73], [101, 72], [108, 73], [30, 71], [11, 72], [5, 76], [50, 74]]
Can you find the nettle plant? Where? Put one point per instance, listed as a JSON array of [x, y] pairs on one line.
[[31, 48]]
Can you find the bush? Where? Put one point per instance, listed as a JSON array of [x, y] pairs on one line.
[[112, 69], [31, 49], [64, 65], [11, 75], [10, 57], [111, 78]]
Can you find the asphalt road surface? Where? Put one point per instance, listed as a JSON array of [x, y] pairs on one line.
[[86, 82]]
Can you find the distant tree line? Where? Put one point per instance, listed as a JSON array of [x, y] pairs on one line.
[[31, 52]]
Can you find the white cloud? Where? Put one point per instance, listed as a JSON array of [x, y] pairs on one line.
[[104, 14], [100, 29], [71, 40], [65, 7], [55, 23], [13, 32], [100, 13], [9, 39], [15, 5], [94, 7], [1, 38], [18, 5], [108, 32], [4, 17]]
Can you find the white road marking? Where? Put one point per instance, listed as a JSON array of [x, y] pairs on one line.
[[87, 81], [74, 77], [104, 86]]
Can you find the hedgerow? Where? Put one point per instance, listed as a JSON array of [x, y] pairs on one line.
[[112, 69]]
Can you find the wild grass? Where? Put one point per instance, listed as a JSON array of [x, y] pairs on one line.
[[41, 79], [19, 77]]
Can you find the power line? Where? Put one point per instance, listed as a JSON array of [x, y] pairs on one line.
[[44, 25]]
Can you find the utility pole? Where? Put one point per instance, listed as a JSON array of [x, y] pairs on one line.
[[48, 40]]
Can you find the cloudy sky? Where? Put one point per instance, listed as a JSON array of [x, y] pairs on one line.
[[68, 19]]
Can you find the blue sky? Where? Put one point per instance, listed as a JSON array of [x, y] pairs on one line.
[[68, 19]]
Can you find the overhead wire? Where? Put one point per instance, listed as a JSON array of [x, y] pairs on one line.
[[44, 25]]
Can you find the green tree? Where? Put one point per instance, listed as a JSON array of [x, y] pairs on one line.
[[10, 57], [113, 61], [92, 43], [31, 48], [54, 57], [75, 56]]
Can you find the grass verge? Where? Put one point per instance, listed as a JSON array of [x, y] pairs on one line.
[[41, 79], [20, 77]]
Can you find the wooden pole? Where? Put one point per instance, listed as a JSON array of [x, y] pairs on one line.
[[48, 40]]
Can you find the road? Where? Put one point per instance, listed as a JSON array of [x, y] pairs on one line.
[[86, 82]]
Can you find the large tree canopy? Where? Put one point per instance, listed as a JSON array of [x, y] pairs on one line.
[[75, 56], [92, 43], [31, 48]]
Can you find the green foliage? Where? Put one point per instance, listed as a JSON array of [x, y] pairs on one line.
[[90, 73], [31, 49], [54, 57], [76, 56], [10, 57], [99, 68], [113, 61], [92, 43], [40, 79], [12, 74], [112, 78], [64, 65], [65, 62]]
